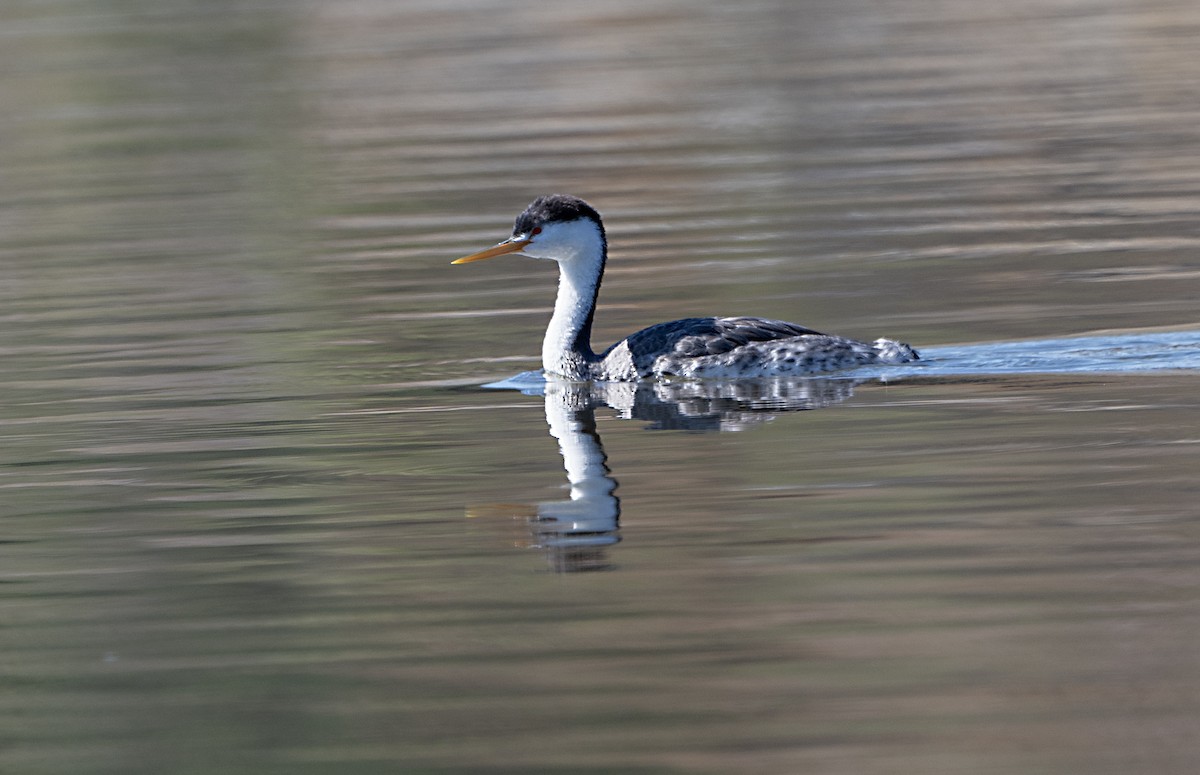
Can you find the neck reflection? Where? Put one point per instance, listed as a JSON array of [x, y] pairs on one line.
[[575, 532]]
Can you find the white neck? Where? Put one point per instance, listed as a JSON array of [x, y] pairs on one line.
[[567, 349]]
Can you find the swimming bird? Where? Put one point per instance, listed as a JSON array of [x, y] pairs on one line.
[[568, 230]]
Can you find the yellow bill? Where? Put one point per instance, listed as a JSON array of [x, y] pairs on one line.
[[508, 246]]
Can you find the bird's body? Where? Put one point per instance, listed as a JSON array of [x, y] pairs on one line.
[[568, 230]]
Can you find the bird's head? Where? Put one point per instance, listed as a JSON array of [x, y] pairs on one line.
[[556, 227]]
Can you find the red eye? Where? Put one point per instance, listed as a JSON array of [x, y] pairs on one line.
[[535, 231]]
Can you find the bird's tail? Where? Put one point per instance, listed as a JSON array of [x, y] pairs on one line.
[[891, 351]]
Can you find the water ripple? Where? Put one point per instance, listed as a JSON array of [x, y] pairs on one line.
[[1121, 353]]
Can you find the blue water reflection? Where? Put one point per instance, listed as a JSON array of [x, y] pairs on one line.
[[1115, 353]]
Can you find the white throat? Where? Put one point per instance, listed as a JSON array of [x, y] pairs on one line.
[[566, 348]]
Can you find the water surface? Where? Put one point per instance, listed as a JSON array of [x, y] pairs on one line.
[[260, 515]]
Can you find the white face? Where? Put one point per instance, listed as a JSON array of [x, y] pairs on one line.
[[563, 240]]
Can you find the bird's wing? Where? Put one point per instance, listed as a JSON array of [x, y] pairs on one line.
[[697, 337], [720, 335]]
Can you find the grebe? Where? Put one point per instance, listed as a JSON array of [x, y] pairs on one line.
[[568, 230]]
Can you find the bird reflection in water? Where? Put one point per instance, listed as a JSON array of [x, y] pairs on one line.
[[575, 533]]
